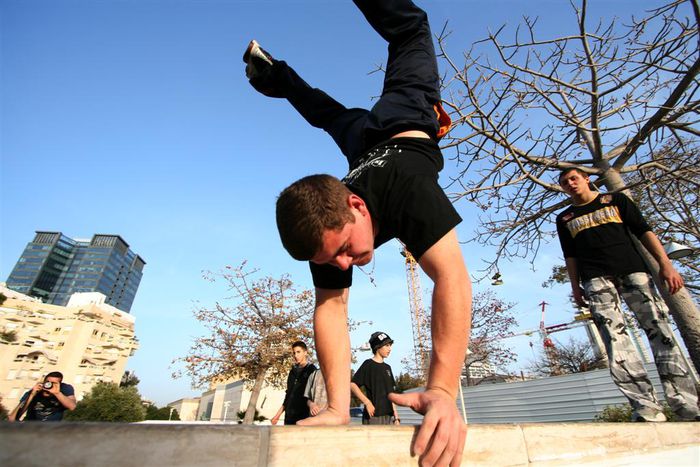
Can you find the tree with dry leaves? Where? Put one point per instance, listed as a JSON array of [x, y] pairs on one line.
[[605, 99], [492, 322], [574, 356], [251, 338]]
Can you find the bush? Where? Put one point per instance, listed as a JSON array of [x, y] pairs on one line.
[[623, 413], [153, 412], [615, 414], [257, 417], [107, 402]]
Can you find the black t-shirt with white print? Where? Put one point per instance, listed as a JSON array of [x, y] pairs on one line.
[[398, 180], [378, 381], [597, 235]]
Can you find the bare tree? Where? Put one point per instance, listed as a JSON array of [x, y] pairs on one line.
[[671, 202], [603, 99], [573, 357], [251, 339], [492, 321]]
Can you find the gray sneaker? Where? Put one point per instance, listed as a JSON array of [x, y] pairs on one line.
[[257, 60], [648, 415]]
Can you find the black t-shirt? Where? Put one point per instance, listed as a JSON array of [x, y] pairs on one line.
[[295, 407], [596, 234], [398, 180], [47, 408], [378, 381]]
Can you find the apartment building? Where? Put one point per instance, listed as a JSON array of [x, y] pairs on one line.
[[87, 340]]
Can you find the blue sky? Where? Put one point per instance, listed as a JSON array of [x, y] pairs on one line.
[[135, 118]]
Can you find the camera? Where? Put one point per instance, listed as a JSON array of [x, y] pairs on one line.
[[48, 384]]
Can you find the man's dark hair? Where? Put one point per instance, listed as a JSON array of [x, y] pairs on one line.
[[571, 169], [54, 374], [309, 207], [300, 344]]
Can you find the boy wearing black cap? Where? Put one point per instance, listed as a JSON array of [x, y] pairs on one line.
[[378, 380]]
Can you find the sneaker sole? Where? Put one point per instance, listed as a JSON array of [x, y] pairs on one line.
[[255, 50]]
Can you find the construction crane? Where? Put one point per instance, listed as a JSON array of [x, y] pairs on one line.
[[549, 348], [580, 319], [419, 318]]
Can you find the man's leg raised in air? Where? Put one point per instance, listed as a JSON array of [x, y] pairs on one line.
[[274, 78], [410, 98]]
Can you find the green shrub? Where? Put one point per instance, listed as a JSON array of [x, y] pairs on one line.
[[623, 413], [615, 414], [107, 402]]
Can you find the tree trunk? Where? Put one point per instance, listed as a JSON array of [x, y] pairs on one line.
[[681, 305], [249, 417], [683, 310]]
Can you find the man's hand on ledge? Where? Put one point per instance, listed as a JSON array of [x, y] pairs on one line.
[[441, 437]]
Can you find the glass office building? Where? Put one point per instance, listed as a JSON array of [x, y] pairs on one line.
[[54, 266]]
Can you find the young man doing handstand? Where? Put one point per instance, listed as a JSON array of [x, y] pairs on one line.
[[391, 191]]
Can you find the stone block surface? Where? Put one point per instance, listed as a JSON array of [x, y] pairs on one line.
[[339, 446], [205, 444], [673, 434], [572, 442], [117, 444]]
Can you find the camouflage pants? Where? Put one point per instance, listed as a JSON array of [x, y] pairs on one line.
[[626, 366]]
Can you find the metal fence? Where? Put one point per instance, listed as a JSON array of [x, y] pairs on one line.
[[567, 398]]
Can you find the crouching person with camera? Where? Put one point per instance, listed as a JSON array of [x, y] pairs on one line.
[[46, 401]]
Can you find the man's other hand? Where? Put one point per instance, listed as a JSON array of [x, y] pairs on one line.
[[670, 277], [579, 296], [370, 408], [314, 409], [55, 388], [441, 437]]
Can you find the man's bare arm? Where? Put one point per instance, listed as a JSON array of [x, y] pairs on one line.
[[67, 401], [575, 279], [440, 440], [667, 272], [355, 389], [332, 340], [276, 418], [19, 410]]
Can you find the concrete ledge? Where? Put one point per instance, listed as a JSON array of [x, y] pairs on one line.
[[102, 444]]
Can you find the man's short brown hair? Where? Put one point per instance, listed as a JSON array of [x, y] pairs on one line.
[[571, 169], [309, 207], [300, 344]]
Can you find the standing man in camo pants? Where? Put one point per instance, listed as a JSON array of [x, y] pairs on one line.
[[600, 256]]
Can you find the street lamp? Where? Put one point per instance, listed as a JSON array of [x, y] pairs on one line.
[[676, 250], [226, 405], [496, 279]]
